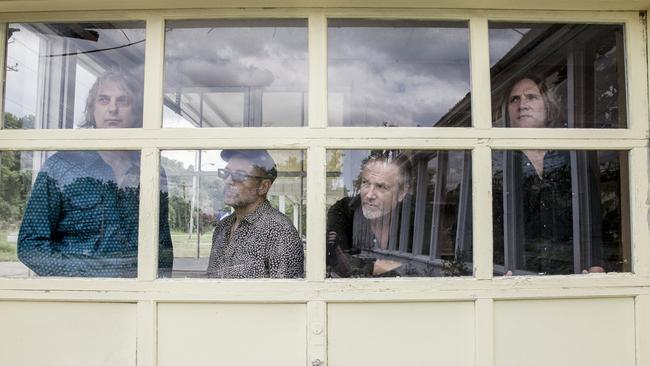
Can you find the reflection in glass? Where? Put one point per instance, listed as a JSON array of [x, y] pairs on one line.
[[560, 212], [55, 70], [399, 213], [398, 73], [207, 191], [577, 68], [79, 212], [235, 73]]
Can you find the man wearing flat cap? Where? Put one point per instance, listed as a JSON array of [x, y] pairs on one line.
[[256, 241]]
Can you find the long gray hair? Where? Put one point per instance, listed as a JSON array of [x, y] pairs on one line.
[[551, 101], [128, 84]]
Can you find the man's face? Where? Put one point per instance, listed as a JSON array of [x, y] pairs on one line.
[[113, 106], [241, 194], [526, 106], [379, 189]]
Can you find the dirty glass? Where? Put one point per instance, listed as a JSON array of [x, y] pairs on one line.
[[398, 213], [398, 73], [560, 212], [73, 214], [235, 73], [558, 75], [74, 75], [237, 213]]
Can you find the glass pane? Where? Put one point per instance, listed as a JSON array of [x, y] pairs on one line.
[[558, 75], [74, 75], [560, 212], [235, 73], [398, 73], [399, 213], [236, 213], [72, 213]]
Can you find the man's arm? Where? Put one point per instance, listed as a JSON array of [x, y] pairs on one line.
[[340, 218], [165, 249]]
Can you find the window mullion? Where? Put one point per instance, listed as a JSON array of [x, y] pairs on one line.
[[482, 211], [149, 214], [637, 77], [480, 73], [3, 56], [638, 187], [316, 178], [153, 73], [317, 71]]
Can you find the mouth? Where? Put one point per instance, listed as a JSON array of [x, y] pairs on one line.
[[113, 122]]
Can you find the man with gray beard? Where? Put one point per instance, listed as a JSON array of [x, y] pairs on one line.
[[359, 227]]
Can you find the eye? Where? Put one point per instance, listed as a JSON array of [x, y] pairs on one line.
[[514, 99], [533, 96], [103, 99], [123, 101]]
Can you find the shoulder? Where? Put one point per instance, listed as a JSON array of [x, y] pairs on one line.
[[75, 163]]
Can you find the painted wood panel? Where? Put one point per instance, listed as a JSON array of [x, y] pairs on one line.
[[595, 332], [232, 334], [72, 333], [425, 333]]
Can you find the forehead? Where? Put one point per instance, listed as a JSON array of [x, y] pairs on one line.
[[525, 86], [381, 172], [111, 87], [240, 163]]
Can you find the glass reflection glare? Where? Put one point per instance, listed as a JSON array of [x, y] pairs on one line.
[[235, 73], [398, 73], [398, 213], [578, 68]]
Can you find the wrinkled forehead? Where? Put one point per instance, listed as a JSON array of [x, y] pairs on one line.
[[381, 171], [112, 87], [525, 86], [240, 163]]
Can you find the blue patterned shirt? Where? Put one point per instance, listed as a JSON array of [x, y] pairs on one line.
[[79, 222]]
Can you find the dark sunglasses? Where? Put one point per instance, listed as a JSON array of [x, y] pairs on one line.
[[237, 175]]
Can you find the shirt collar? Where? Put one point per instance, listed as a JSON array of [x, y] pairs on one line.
[[259, 212]]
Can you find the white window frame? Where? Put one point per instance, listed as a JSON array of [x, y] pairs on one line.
[[315, 291]]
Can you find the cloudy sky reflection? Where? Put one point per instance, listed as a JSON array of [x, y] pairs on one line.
[[401, 74], [252, 58]]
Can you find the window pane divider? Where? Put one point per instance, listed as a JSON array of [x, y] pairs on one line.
[[482, 211], [149, 214], [153, 73], [637, 76], [639, 204], [480, 73], [3, 57], [316, 215], [317, 107]]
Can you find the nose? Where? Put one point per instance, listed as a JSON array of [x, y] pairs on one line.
[[523, 103], [370, 193], [112, 105]]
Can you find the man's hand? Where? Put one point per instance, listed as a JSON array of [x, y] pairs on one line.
[[384, 265]]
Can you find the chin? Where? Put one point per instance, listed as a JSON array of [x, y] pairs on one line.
[[372, 213]]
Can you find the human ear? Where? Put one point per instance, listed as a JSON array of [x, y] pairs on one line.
[[402, 193], [264, 187]]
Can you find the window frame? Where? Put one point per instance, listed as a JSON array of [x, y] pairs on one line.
[[315, 139]]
